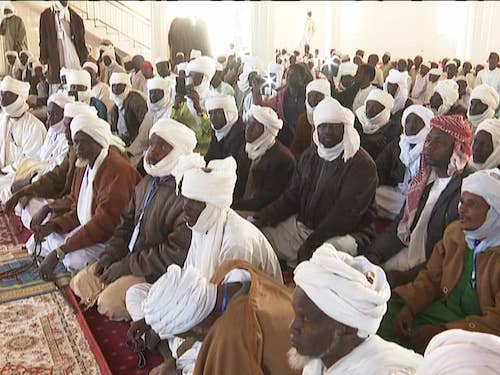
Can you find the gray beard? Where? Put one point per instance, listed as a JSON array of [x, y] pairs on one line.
[[81, 163], [296, 360]]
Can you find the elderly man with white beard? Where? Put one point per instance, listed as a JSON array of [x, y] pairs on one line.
[[152, 234], [339, 302], [102, 187], [483, 104], [218, 233], [22, 134]]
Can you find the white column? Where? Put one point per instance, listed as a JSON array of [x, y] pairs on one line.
[[159, 29], [262, 42]]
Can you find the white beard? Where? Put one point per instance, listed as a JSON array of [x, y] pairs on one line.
[[81, 163], [296, 360]]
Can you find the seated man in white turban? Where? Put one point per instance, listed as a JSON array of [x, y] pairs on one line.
[[53, 150], [431, 203], [486, 145], [444, 99], [80, 87], [484, 101], [50, 193], [316, 91], [460, 286], [129, 109], [396, 84], [400, 161], [22, 133], [218, 233], [420, 86], [99, 89], [238, 305], [228, 136], [267, 164], [217, 85], [12, 63], [331, 196], [345, 76], [461, 352], [102, 187], [374, 124], [339, 302], [152, 234]]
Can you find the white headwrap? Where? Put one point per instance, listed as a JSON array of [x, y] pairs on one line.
[[329, 111], [459, 352], [94, 53], [491, 126], [448, 90], [161, 59], [72, 110], [61, 99], [486, 184], [401, 79], [195, 54], [349, 290], [119, 78], [487, 95], [90, 65], [98, 129], [372, 125], [347, 69], [228, 104], [410, 156], [12, 53], [435, 72], [250, 64], [213, 185], [109, 51], [9, 5], [21, 89], [321, 85], [159, 83], [205, 65], [179, 136], [80, 77], [178, 301], [272, 125]]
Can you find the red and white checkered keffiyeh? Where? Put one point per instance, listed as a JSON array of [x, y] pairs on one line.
[[455, 126]]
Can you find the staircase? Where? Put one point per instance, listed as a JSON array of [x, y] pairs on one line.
[[126, 23]]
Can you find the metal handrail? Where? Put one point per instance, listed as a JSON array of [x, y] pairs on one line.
[[91, 15]]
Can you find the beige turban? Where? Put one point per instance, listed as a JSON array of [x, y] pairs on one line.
[[458, 352], [61, 99], [448, 90], [487, 95], [72, 110], [349, 290], [213, 185], [178, 301], [17, 87], [90, 65]]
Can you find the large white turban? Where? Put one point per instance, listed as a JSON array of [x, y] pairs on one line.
[[119, 78], [401, 79], [487, 95], [321, 85], [98, 129], [72, 110], [213, 185], [228, 104], [448, 90], [410, 156], [78, 77], [486, 184], [329, 111], [178, 301], [179, 136], [90, 65], [159, 83], [372, 125], [347, 69], [491, 126], [349, 290], [459, 352], [15, 86], [109, 51], [272, 125], [202, 64], [61, 99]]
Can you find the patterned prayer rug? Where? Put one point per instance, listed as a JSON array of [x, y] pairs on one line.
[[28, 283], [41, 335]]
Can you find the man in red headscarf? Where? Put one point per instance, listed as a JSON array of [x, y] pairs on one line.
[[431, 204]]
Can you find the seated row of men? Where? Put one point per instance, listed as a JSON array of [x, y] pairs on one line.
[[328, 197]]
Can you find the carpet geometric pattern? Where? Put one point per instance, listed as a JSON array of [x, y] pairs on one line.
[[41, 335]]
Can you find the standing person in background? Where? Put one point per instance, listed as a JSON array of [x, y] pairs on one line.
[[13, 30], [62, 40]]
